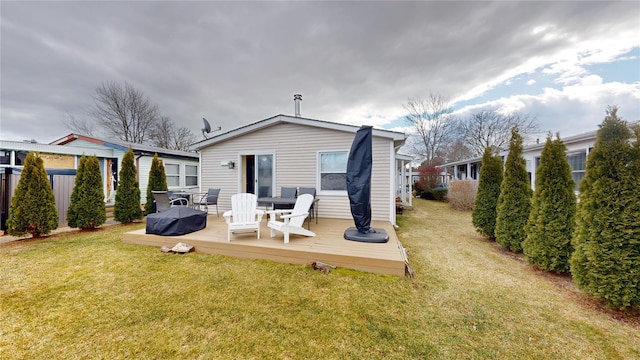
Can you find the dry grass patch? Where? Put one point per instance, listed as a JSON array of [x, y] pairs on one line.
[[87, 295]]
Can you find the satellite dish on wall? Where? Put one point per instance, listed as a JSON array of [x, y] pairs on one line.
[[207, 128]]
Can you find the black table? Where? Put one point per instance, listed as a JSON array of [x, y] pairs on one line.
[[291, 201], [181, 195]]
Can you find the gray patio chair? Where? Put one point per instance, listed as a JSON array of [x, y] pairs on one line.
[[286, 193], [163, 202], [311, 191], [209, 199]]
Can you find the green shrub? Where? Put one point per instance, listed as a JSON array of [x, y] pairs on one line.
[[33, 206], [485, 212], [91, 211], [439, 193], [606, 260], [127, 205], [76, 195], [157, 182], [514, 202], [553, 207], [427, 195]]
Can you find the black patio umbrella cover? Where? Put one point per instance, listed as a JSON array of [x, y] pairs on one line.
[[359, 165]]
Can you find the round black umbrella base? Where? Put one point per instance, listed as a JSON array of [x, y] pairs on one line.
[[379, 236]]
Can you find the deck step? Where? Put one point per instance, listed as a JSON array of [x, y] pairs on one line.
[[109, 209]]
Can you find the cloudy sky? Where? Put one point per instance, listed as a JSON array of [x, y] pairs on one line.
[[354, 62]]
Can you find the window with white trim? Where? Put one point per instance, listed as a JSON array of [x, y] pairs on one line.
[[333, 170], [5, 157], [172, 171], [191, 175], [578, 162]]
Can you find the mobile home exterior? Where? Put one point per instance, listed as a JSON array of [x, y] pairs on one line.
[[181, 167], [578, 147], [286, 151]]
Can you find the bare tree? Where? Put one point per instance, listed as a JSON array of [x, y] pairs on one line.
[[162, 133], [457, 150], [165, 135], [79, 125], [182, 138], [433, 122], [125, 112], [489, 128]]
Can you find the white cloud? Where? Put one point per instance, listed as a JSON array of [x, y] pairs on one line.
[[572, 109]]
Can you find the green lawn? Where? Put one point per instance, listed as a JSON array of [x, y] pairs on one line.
[[87, 295]]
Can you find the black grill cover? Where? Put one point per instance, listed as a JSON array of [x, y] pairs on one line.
[[178, 220]]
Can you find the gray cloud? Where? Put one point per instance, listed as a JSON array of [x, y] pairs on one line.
[[236, 63]]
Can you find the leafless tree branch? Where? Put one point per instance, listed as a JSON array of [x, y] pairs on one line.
[[125, 112], [79, 125], [433, 122], [166, 135], [489, 128]]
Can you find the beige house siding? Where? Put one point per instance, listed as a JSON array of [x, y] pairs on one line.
[[296, 150]]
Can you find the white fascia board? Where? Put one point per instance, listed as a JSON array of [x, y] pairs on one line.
[[54, 149]]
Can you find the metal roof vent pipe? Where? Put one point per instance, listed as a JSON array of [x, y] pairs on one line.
[[297, 99]]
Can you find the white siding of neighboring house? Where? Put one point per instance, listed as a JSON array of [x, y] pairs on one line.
[[578, 144], [295, 148], [530, 155], [143, 166]]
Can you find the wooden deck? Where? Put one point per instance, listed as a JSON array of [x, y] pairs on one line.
[[328, 246]]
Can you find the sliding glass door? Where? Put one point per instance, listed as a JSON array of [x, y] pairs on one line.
[[258, 177]]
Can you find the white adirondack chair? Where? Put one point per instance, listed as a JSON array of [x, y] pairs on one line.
[[293, 219], [243, 216]]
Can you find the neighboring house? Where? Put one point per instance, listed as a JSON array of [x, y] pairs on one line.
[[264, 156], [60, 163], [181, 167], [578, 147]]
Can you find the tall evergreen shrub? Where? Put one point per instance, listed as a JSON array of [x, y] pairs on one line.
[[76, 195], [606, 260], [33, 206], [485, 212], [91, 210], [514, 202], [157, 182], [553, 207], [127, 204]]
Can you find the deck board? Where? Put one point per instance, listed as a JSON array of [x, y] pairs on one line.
[[328, 246]]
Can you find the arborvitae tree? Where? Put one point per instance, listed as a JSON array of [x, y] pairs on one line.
[[157, 182], [127, 205], [606, 260], [76, 195], [485, 212], [91, 212], [514, 202], [553, 207], [33, 206]]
